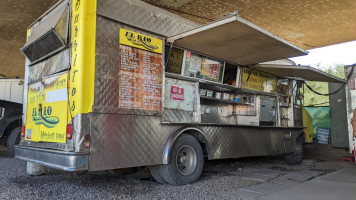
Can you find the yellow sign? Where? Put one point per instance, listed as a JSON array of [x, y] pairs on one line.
[[82, 72], [28, 33], [47, 102], [259, 81], [308, 123], [133, 39]]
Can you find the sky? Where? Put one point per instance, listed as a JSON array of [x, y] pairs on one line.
[[329, 56]]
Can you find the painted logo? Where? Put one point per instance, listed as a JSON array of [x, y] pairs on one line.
[[43, 116], [140, 40]]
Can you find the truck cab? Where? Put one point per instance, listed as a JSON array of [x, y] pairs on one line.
[[11, 97]]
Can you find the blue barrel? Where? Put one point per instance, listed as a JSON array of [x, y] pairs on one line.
[[322, 135]]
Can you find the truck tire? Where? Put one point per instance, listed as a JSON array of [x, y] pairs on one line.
[[13, 139], [123, 171], [185, 163], [156, 174], [297, 156]]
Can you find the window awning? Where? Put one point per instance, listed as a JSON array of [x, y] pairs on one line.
[[236, 40], [304, 72], [48, 34]]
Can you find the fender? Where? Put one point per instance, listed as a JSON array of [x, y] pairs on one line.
[[175, 134]]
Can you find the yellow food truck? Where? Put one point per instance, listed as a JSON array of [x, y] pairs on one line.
[[117, 84]]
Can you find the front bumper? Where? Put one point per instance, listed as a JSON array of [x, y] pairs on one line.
[[67, 161]]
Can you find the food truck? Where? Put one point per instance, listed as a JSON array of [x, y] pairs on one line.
[[116, 84]]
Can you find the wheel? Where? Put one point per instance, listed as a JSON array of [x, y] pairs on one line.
[[156, 174], [13, 139], [185, 163], [297, 156], [123, 171]]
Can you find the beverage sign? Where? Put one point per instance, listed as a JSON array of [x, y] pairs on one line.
[[177, 93]]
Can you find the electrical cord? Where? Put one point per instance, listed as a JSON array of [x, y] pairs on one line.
[[332, 93]]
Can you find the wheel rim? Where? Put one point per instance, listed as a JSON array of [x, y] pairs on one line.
[[299, 150], [186, 160]]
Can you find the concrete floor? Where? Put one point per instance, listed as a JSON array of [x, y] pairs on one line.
[[337, 185]]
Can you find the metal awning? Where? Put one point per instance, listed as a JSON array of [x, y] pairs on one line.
[[45, 26], [236, 40], [304, 72]]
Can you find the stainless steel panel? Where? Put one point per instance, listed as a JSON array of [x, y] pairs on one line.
[[145, 16], [52, 65], [62, 27], [177, 116], [119, 141], [55, 159], [216, 112], [107, 64], [80, 128], [297, 115], [180, 111]]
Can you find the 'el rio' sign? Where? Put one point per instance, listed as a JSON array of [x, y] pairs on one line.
[[141, 41]]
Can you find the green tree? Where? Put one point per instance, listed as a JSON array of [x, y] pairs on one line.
[[310, 98]]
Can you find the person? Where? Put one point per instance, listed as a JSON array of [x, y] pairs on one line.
[[353, 123]]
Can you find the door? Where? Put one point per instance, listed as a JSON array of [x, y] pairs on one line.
[[338, 116]]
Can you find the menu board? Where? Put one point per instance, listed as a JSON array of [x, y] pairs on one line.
[[140, 79], [202, 67], [258, 80]]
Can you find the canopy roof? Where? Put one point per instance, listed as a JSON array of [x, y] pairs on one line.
[[236, 40], [305, 72]]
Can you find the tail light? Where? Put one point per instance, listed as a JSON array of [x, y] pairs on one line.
[[23, 128], [69, 131], [87, 140]]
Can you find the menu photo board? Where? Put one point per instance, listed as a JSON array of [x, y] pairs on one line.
[[258, 81], [202, 67], [140, 77]]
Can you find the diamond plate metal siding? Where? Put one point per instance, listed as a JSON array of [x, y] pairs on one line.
[[54, 64], [177, 116], [107, 64], [119, 141], [216, 112], [126, 141], [145, 16]]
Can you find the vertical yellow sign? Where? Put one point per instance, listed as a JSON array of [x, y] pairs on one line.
[[82, 72]]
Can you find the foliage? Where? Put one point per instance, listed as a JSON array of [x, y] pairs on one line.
[[312, 99]]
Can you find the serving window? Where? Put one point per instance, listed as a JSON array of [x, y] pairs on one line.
[[198, 66]]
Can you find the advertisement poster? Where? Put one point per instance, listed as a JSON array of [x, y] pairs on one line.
[[214, 71], [258, 81], [140, 79], [175, 61], [47, 105]]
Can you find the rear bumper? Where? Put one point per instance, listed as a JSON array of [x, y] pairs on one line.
[[67, 161]]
